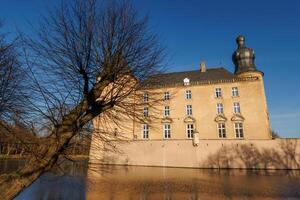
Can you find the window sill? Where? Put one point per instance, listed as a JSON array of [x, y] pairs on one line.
[[237, 113]]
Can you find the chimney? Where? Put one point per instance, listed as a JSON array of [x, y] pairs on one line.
[[202, 66]]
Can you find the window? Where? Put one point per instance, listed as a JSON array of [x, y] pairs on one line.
[[115, 132], [235, 92], [186, 81], [190, 130], [189, 110], [166, 96], [145, 131], [146, 97], [146, 111], [218, 92], [222, 130], [220, 109], [167, 111], [236, 108], [239, 132], [188, 94], [167, 131]]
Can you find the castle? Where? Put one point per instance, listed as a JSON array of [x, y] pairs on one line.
[[206, 103], [207, 118], [211, 103]]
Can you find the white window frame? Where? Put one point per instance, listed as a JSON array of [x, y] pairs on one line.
[[220, 108], [190, 131], [145, 131], [218, 92], [221, 130], [167, 96], [236, 108], [167, 131], [146, 112], [188, 94], [235, 91], [239, 130], [146, 97], [167, 111], [186, 81], [189, 110]]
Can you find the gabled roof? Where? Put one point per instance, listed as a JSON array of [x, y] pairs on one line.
[[212, 74]]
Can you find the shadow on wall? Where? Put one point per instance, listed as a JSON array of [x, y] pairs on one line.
[[284, 156]]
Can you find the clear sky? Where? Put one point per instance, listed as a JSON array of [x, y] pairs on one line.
[[206, 30]]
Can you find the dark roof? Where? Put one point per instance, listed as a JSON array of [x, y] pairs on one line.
[[212, 74]]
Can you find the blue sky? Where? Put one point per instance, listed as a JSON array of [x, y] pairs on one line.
[[206, 30]]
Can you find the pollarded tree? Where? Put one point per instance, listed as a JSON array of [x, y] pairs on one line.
[[85, 61]]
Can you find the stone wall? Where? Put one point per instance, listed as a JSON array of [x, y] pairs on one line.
[[251, 154]]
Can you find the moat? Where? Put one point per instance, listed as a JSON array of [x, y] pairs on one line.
[[82, 181]]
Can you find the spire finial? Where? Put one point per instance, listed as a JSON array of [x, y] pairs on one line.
[[240, 40], [202, 66]]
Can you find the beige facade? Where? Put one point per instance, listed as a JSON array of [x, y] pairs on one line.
[[202, 104], [242, 101], [204, 117]]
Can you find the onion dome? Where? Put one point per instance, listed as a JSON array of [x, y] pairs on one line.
[[243, 58]]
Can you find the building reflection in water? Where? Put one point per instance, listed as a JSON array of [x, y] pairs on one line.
[[80, 181], [147, 183]]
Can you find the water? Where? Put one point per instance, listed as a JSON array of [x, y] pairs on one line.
[[78, 181]]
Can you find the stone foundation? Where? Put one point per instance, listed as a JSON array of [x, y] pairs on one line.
[[246, 154]]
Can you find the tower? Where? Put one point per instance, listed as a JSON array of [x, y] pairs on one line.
[[243, 58]]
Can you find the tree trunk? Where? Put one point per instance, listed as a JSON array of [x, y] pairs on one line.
[[48, 152], [8, 149], [51, 147]]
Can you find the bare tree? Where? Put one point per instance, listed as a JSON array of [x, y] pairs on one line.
[[275, 134], [85, 61], [11, 86], [12, 94]]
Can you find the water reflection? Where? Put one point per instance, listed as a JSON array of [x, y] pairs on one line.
[[78, 181], [68, 181], [177, 183]]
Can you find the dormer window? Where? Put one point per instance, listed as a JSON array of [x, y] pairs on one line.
[[186, 81]]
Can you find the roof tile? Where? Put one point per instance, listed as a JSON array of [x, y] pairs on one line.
[[194, 76]]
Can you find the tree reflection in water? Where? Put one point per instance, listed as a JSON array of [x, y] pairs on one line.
[[76, 181]]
